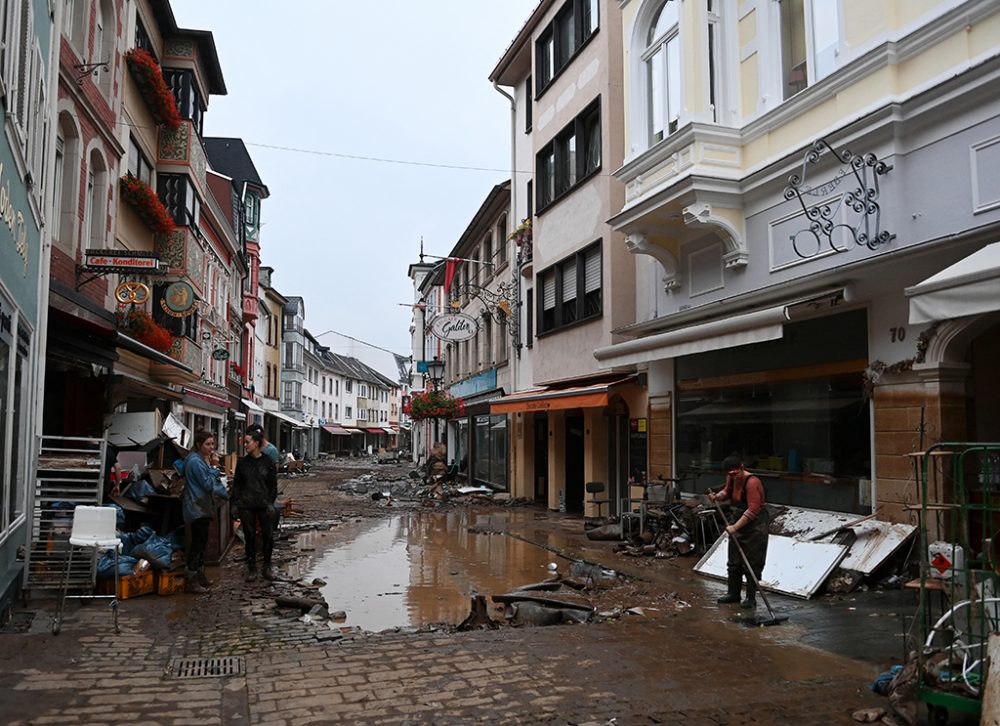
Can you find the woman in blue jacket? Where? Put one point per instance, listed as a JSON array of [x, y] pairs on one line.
[[202, 484]]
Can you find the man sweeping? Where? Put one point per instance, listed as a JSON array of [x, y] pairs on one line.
[[746, 493]]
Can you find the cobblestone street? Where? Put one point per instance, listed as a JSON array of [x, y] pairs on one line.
[[690, 668]]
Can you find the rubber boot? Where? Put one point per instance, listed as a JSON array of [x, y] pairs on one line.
[[193, 584], [751, 598], [251, 571], [734, 579], [266, 572]]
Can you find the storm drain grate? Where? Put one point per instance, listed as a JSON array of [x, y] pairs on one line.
[[207, 667]]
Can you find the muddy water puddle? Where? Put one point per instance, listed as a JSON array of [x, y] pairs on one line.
[[417, 568]]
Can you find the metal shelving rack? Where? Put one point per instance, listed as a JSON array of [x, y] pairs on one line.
[[960, 506], [70, 472]]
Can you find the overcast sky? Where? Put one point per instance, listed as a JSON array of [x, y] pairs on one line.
[[393, 79]]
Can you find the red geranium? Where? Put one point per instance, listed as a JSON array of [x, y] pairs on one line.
[[148, 76], [140, 325], [141, 197], [433, 404]]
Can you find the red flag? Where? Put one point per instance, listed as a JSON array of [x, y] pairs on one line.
[[450, 265]]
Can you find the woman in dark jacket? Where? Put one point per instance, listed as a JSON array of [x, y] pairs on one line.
[[255, 487]]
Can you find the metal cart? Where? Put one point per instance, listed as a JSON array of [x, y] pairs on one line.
[[959, 603]]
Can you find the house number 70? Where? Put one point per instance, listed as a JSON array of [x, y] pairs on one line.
[[898, 334]]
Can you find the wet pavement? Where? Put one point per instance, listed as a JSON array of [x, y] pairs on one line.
[[689, 666]]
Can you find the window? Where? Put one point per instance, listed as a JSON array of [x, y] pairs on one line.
[[487, 328], [556, 46], [527, 105], [561, 301], [15, 380], [178, 194], [663, 72], [810, 39], [182, 84], [502, 241], [348, 412], [95, 212], [142, 40], [348, 384], [529, 319], [138, 165], [488, 257], [57, 186], [104, 42], [571, 157]]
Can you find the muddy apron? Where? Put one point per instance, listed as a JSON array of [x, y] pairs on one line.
[[752, 537]]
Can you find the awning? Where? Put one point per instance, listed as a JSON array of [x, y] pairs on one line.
[[287, 419], [754, 327], [969, 287], [375, 431], [592, 396], [144, 387], [251, 406], [128, 343], [390, 431], [352, 430], [336, 430]]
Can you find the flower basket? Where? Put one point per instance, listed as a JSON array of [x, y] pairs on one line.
[[141, 326], [237, 369], [433, 404], [158, 97], [141, 197], [522, 235]]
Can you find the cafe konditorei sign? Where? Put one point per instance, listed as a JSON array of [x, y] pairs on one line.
[[125, 262], [454, 327]]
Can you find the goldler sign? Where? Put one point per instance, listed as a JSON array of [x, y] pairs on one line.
[[454, 327]]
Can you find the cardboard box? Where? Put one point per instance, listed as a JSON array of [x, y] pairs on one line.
[[170, 583], [129, 585]]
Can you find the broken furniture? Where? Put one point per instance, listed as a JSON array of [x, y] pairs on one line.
[[593, 489], [93, 528]]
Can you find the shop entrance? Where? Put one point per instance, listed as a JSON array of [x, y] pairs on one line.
[[574, 462], [618, 457], [541, 458], [984, 405]]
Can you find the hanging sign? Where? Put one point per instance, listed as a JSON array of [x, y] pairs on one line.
[[455, 327], [178, 300], [135, 293], [220, 354], [122, 261]]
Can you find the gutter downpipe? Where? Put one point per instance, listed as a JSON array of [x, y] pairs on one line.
[[512, 466]]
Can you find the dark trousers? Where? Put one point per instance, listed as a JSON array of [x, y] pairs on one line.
[[250, 519], [199, 541], [753, 539]]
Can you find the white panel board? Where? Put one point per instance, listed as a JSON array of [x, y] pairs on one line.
[[793, 568], [876, 540]]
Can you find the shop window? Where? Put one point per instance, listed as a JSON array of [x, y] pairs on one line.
[[795, 409], [489, 465]]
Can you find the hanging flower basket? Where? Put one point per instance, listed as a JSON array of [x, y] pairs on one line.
[[522, 235], [141, 326], [159, 99], [433, 404], [237, 369], [141, 197]]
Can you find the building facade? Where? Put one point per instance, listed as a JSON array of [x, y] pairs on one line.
[[784, 203]]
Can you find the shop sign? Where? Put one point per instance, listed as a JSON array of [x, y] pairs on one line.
[[15, 220], [178, 300], [132, 293], [220, 354], [122, 261], [454, 327]]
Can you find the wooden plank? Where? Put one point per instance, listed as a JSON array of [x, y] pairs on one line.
[[781, 374]]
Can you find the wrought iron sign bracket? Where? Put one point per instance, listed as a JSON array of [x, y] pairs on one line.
[[860, 170], [499, 303], [89, 69]]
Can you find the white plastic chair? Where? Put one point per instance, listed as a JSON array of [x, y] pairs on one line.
[[93, 527]]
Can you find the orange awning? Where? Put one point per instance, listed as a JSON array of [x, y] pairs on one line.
[[593, 396]]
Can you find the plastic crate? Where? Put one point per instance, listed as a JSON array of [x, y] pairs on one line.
[[129, 585], [169, 583]]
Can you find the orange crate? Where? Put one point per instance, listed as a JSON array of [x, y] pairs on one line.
[[129, 585], [169, 583]]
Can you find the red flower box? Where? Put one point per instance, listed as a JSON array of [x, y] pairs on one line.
[[141, 326], [433, 404], [141, 197], [148, 76]]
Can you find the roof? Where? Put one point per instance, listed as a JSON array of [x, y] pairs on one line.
[[204, 39], [492, 204], [230, 156], [497, 75]]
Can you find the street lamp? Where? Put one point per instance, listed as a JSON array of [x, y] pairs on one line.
[[435, 371]]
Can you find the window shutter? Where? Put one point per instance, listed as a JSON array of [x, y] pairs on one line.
[[548, 292], [569, 281], [592, 271]]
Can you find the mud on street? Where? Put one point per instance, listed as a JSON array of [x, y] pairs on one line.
[[395, 577]]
